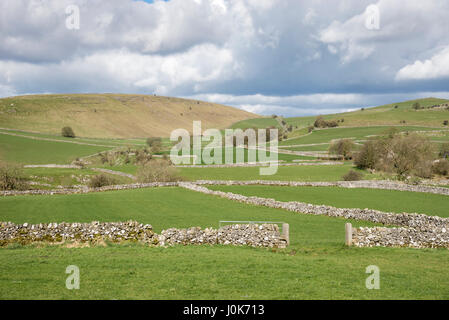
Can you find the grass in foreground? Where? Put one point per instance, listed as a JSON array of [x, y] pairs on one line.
[[315, 266]]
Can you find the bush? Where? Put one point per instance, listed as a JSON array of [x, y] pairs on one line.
[[67, 132], [409, 154], [368, 156], [101, 180], [441, 167], [445, 122], [342, 147], [321, 123], [157, 171], [401, 154], [156, 147], [152, 140], [444, 150], [12, 178], [142, 157], [353, 176]]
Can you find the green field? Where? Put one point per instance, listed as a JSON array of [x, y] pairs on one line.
[[258, 123], [326, 135], [383, 200], [52, 178], [30, 151], [268, 155], [387, 115], [284, 173], [319, 147], [315, 266]]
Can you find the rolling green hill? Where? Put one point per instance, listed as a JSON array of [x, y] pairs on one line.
[[113, 115], [387, 114]]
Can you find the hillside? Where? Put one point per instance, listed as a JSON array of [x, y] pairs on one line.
[[387, 115], [113, 115]]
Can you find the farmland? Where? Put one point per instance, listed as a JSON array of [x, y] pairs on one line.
[[316, 264]]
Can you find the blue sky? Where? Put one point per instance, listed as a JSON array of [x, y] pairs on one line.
[[286, 57]]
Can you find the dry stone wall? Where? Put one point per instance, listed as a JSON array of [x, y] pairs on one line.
[[264, 235], [372, 184], [401, 237], [418, 230]]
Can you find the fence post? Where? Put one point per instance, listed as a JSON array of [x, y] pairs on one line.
[[286, 232], [348, 234]]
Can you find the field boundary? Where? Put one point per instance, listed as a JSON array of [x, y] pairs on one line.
[[368, 184]]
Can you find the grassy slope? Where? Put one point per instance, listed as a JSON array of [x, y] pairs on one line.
[[29, 151], [113, 115], [326, 135], [315, 266], [259, 123], [384, 200], [387, 115]]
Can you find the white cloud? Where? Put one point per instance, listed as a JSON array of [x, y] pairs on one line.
[[299, 56], [433, 68]]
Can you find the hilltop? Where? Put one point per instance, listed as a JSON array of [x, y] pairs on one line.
[[113, 115]]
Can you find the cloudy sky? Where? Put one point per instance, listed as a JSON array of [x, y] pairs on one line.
[[287, 57]]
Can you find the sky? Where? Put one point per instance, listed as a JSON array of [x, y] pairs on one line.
[[284, 57]]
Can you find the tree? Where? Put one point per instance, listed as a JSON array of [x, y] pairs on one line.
[[416, 106], [342, 147], [367, 157], [68, 132]]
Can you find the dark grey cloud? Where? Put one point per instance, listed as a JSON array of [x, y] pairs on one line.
[[268, 56]]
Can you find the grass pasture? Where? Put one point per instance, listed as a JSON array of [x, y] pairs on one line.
[[327, 135], [387, 115], [383, 200], [284, 173], [31, 151], [315, 266]]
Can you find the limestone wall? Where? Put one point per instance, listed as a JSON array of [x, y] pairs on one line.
[[255, 235]]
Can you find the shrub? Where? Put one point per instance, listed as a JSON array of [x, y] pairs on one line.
[[401, 154], [156, 147], [142, 157], [157, 171], [152, 140], [441, 167], [444, 150], [321, 123], [101, 180], [68, 132], [416, 106], [12, 178], [445, 122], [353, 176], [368, 156], [342, 147]]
